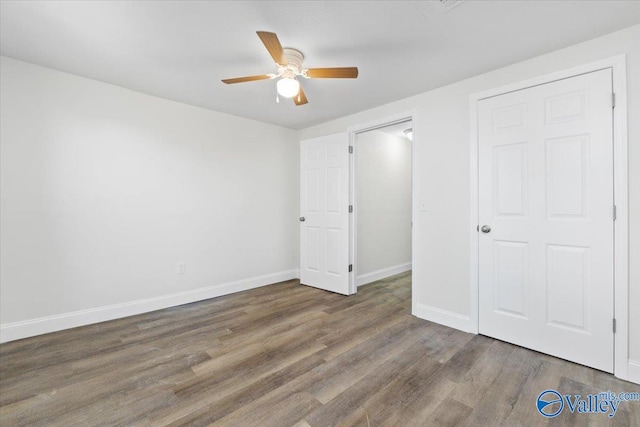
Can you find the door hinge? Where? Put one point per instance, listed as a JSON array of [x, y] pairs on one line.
[[350, 268], [350, 208], [613, 100], [351, 149], [614, 326], [615, 213]]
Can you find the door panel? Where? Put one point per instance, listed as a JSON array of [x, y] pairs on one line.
[[510, 179], [546, 191], [566, 161], [511, 260], [324, 205], [567, 283]]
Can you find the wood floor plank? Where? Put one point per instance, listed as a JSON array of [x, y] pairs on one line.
[[355, 396], [513, 376], [449, 413], [479, 379], [414, 394], [272, 414], [351, 367], [288, 355], [218, 405], [465, 358]]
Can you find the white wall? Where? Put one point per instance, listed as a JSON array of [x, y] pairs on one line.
[[441, 136], [104, 190], [383, 205]]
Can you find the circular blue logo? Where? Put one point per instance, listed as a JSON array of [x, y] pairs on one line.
[[550, 403]]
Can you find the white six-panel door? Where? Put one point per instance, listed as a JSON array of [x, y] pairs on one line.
[[324, 213], [546, 193]]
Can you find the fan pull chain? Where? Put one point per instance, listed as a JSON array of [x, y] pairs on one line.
[[277, 98]]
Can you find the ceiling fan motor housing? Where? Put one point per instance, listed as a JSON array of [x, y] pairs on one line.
[[294, 67]]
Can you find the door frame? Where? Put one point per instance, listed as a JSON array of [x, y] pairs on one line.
[[620, 171], [353, 229]]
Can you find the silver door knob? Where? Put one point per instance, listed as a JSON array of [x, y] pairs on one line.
[[485, 229], [302, 219]]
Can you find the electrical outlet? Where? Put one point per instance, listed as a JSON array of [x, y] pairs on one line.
[[181, 267]]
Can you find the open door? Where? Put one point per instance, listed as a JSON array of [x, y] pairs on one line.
[[324, 213]]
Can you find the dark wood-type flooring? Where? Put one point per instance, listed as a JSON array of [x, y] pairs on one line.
[[285, 355]]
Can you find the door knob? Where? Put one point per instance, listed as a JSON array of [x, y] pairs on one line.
[[485, 229], [302, 219]]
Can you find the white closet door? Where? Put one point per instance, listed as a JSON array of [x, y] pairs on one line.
[[546, 193], [324, 213]]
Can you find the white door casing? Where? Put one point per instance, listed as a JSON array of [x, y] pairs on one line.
[[546, 190], [324, 205]]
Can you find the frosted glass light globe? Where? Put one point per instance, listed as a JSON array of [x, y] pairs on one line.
[[288, 87]]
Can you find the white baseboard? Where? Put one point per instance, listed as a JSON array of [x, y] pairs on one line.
[[43, 325], [443, 317], [633, 371], [382, 274]]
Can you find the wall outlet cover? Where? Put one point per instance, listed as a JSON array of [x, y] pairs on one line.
[[181, 267]]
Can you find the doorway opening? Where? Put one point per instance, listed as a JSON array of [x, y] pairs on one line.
[[382, 168]]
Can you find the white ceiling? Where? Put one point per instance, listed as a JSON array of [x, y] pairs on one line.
[[180, 50]]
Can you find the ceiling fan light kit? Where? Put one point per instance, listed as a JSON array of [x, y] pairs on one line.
[[288, 87], [289, 63]]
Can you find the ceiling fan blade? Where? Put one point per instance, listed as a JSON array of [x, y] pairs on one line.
[[300, 98], [247, 79], [333, 73], [271, 42]]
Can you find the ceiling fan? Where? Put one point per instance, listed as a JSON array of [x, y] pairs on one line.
[[289, 63]]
